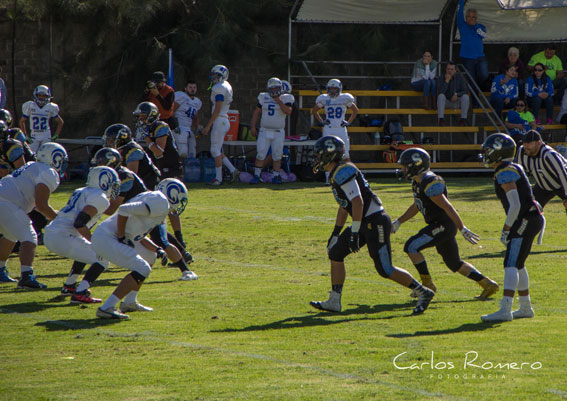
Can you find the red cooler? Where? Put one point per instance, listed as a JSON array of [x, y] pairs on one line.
[[234, 120]]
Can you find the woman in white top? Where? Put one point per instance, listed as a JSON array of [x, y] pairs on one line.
[[423, 79]]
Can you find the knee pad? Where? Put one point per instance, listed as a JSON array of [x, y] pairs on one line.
[[336, 255], [453, 264], [143, 271], [138, 277]]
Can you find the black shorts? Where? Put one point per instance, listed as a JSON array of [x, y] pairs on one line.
[[522, 235], [441, 235], [543, 196], [375, 233]]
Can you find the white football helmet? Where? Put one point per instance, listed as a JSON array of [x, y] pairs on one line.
[[54, 155], [334, 87], [176, 194], [105, 179], [219, 73], [286, 86], [42, 95], [274, 87]]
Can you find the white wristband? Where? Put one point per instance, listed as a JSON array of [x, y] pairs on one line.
[[355, 227]]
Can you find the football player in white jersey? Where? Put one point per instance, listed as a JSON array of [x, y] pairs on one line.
[[186, 107], [69, 235], [335, 104], [28, 187], [39, 112], [274, 106], [218, 125], [122, 240]]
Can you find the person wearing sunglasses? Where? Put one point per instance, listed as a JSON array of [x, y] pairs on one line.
[[539, 91], [553, 69], [519, 121]]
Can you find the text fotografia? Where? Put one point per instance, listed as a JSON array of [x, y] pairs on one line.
[[470, 361]]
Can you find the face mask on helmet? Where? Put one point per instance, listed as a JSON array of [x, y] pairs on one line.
[[327, 150], [42, 95], [6, 116], [105, 179], [176, 194], [107, 157], [116, 135], [4, 130], [54, 155], [146, 113], [334, 87], [274, 87], [219, 73]]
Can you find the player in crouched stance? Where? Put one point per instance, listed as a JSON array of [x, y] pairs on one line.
[[371, 225], [523, 222], [121, 239], [69, 234]]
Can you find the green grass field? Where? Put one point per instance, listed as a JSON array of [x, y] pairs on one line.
[[245, 330]]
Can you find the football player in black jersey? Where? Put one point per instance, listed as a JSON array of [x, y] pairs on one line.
[[524, 221], [443, 221], [371, 225]]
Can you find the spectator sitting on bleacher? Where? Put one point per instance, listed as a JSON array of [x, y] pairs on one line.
[[520, 121], [553, 69], [504, 91], [513, 58], [423, 79], [452, 90], [539, 90]]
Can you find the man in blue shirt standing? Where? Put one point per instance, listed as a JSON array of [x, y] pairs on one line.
[[472, 50]]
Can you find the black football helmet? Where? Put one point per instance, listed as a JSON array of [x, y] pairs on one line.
[[4, 130], [6, 116], [108, 157], [116, 135], [327, 149], [416, 161], [498, 147], [146, 113]]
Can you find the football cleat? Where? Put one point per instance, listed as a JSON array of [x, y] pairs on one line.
[[333, 304], [277, 179], [187, 257], [424, 297], [504, 314], [489, 288], [84, 298], [28, 281], [5, 277], [255, 180], [524, 312], [111, 314], [235, 175], [67, 290], [188, 275], [134, 307], [215, 182], [426, 281]]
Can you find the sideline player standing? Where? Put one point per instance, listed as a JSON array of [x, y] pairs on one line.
[[443, 221], [39, 112], [335, 104], [524, 221], [274, 106], [218, 125], [371, 225], [186, 107]]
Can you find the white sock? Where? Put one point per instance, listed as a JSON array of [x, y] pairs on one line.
[[72, 279], [25, 269], [131, 297], [83, 286], [511, 279], [218, 171], [327, 176], [525, 301], [257, 171], [228, 164], [523, 279], [506, 303], [110, 302]]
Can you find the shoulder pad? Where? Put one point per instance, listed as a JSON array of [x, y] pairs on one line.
[[344, 173], [434, 186], [507, 175]]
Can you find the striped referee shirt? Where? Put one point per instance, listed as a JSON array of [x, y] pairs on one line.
[[548, 168]]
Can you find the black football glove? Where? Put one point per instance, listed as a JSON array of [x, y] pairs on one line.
[[160, 254], [353, 242], [125, 241]]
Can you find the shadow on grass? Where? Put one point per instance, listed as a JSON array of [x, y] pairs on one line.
[[31, 307], [76, 324], [319, 318], [467, 327], [503, 253]]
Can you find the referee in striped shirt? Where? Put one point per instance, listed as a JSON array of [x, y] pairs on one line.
[[546, 166]]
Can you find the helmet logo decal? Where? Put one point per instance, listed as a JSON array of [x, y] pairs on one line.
[[58, 156], [497, 144], [416, 158]]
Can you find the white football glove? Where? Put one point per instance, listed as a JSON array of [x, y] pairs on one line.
[[470, 236], [504, 237], [395, 226]]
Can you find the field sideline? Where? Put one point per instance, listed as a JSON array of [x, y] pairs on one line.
[[245, 330]]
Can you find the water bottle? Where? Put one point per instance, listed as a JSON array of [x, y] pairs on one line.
[[377, 138]]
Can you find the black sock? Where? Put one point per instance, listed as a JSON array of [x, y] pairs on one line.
[[173, 241], [181, 265], [422, 267], [475, 275], [94, 271], [338, 288], [77, 267], [179, 236]]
